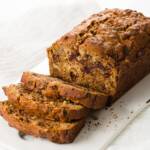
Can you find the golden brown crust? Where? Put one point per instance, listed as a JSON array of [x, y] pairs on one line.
[[103, 51], [53, 109], [54, 131], [53, 87], [131, 73]]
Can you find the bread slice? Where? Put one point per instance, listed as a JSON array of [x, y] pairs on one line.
[[54, 87], [38, 127], [49, 108]]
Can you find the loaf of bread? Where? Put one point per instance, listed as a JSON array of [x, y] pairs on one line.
[[109, 52], [91, 66], [56, 88], [49, 108], [39, 127]]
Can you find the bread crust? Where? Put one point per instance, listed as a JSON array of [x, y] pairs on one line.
[[52, 109], [54, 131], [53, 87]]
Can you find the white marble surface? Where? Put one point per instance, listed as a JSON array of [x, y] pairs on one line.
[[22, 33]]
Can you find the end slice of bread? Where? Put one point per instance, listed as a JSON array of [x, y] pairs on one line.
[[39, 127]]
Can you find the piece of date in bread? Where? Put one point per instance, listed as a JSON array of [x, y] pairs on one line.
[[49, 108], [54, 87], [58, 132], [109, 52]]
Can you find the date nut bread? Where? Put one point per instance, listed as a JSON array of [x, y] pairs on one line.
[[54, 87], [33, 125], [49, 108], [109, 52]]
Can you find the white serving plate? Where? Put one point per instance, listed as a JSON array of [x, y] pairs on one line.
[[109, 124]]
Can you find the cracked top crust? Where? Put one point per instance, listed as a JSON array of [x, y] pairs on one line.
[[113, 34]]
